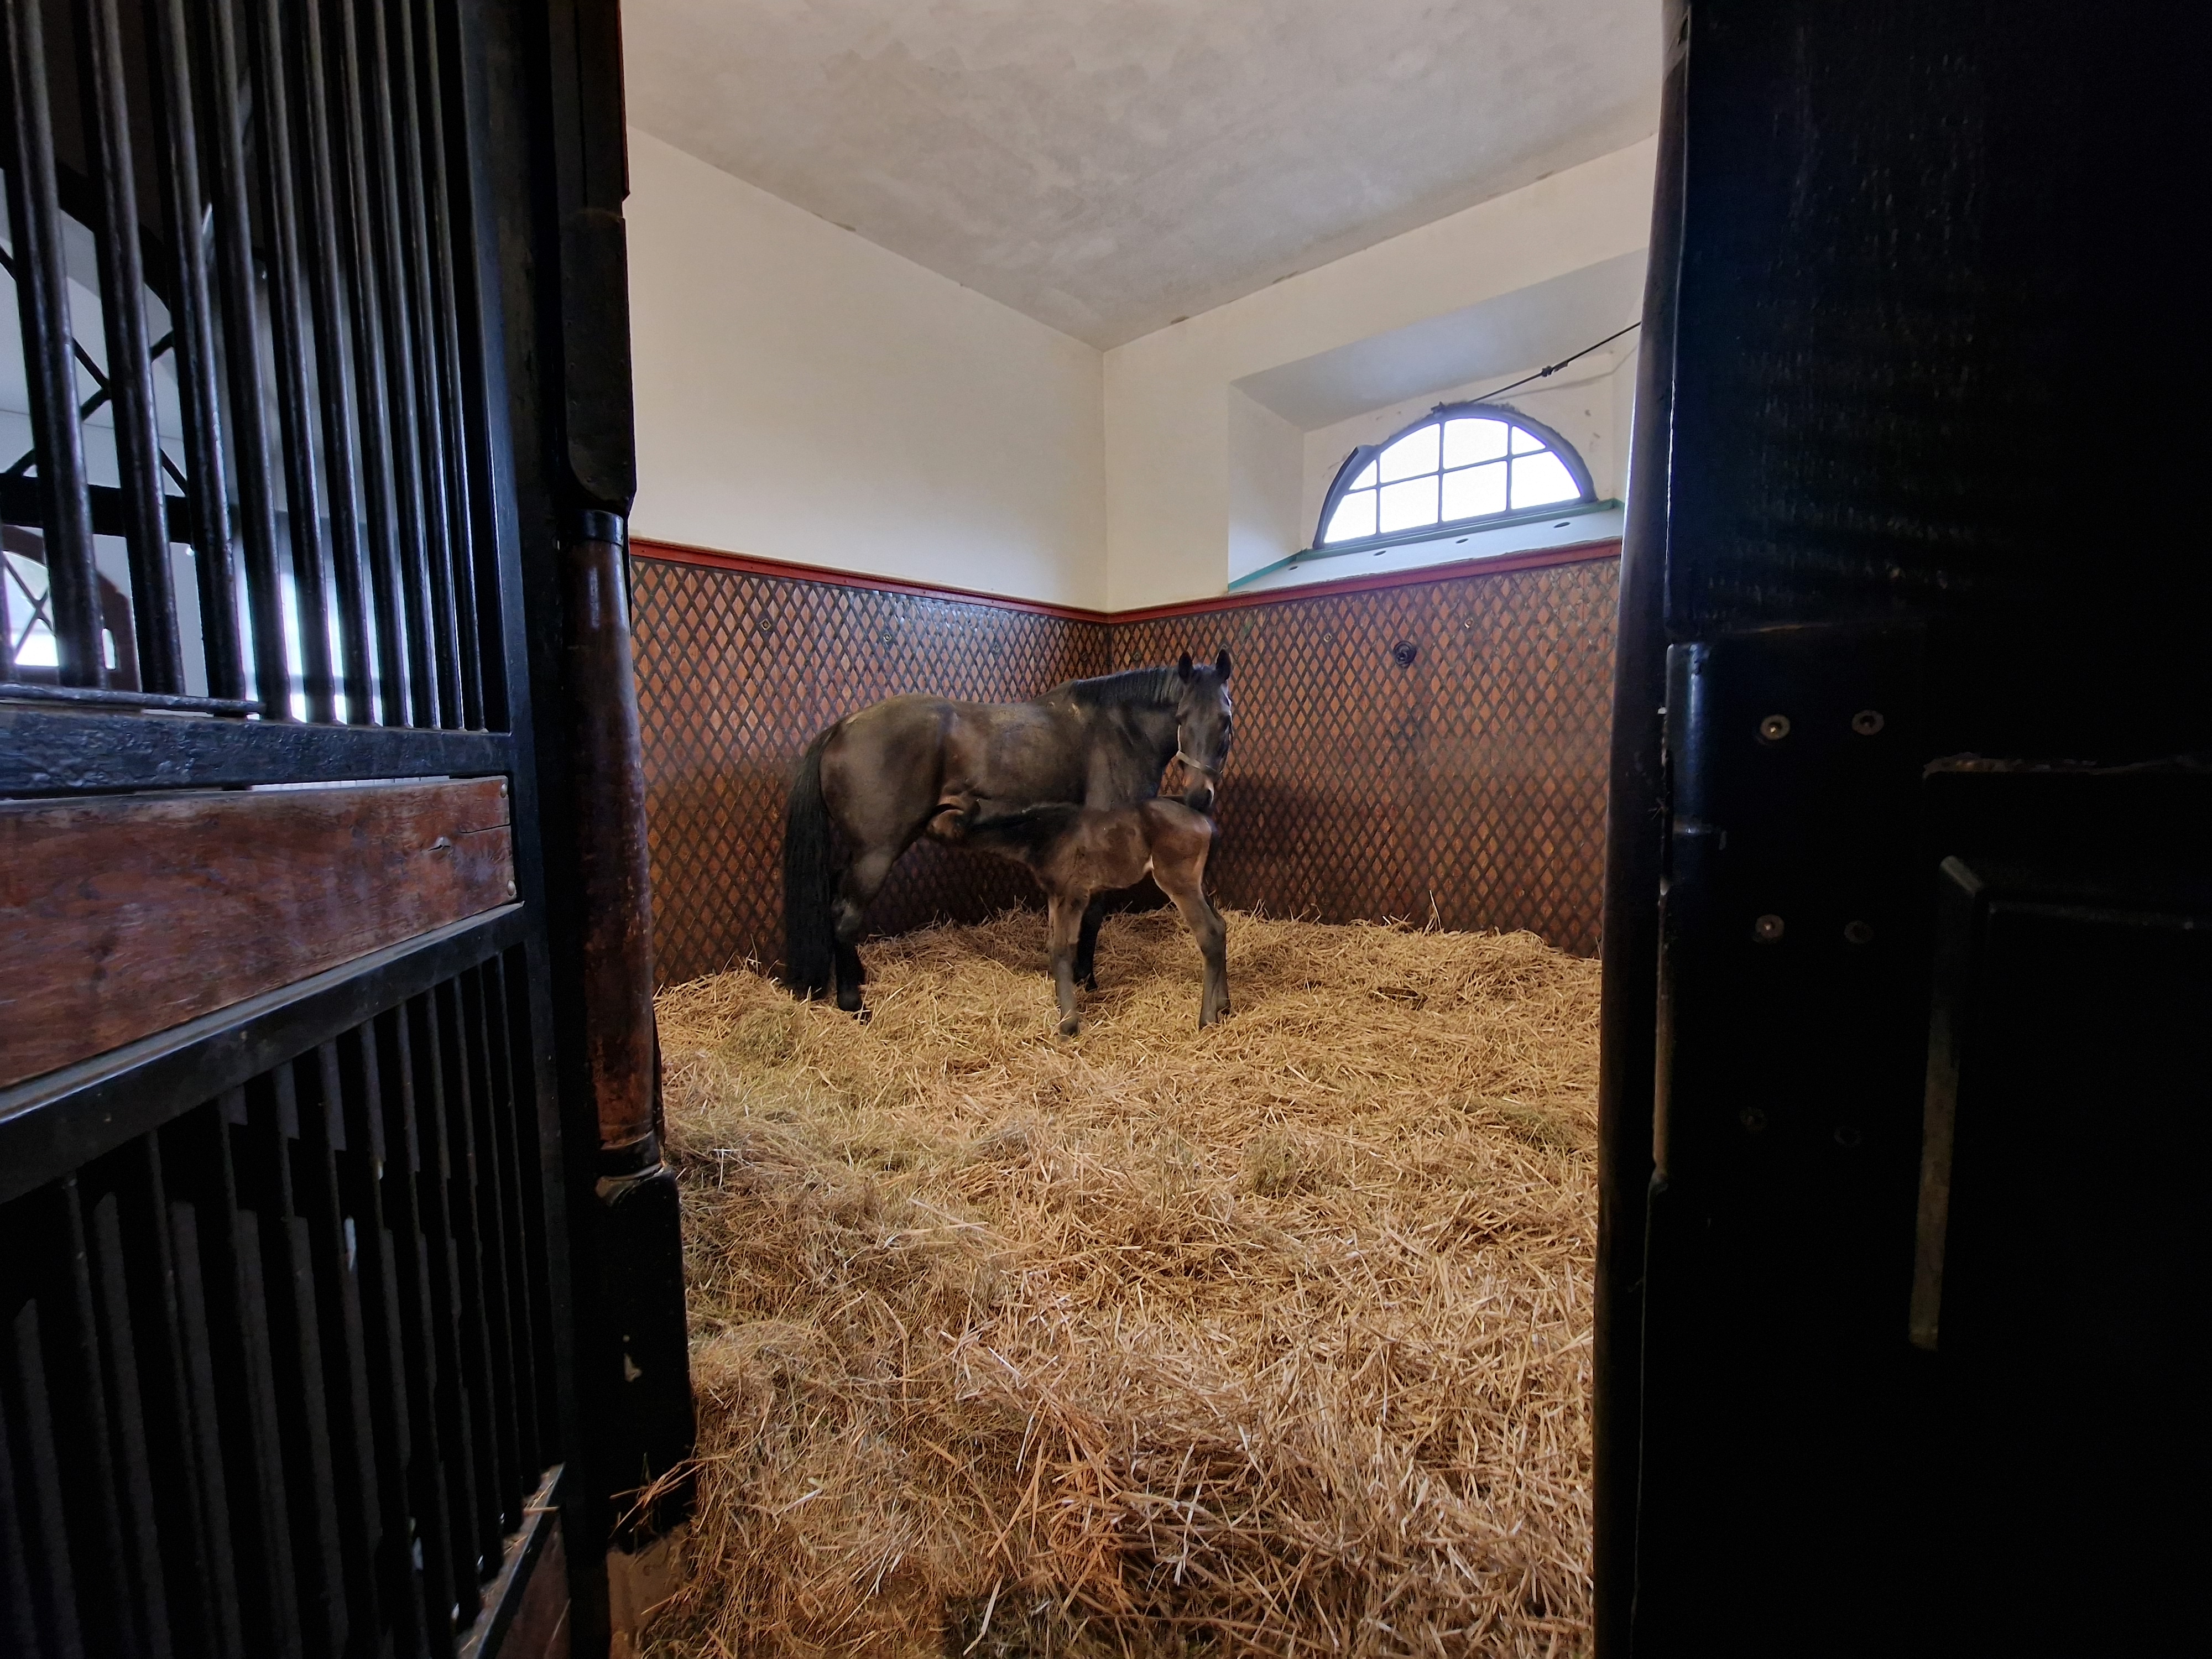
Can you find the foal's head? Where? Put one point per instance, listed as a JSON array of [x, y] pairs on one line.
[[1202, 726]]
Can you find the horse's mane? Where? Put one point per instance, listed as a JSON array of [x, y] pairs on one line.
[[1132, 688]]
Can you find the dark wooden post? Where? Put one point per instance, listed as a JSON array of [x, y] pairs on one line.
[[640, 1255]]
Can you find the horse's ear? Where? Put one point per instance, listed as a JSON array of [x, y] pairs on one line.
[[1221, 664], [1183, 667]]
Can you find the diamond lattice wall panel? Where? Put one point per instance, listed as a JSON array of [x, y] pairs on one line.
[[1469, 786], [737, 671]]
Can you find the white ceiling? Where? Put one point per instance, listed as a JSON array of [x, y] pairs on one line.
[[1108, 166]]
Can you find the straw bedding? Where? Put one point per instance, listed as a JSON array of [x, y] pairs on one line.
[[1273, 1338]]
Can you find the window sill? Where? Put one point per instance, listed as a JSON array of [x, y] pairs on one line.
[[1587, 522]]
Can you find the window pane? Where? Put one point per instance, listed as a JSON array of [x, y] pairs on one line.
[[1354, 516], [1540, 480], [1413, 454], [1366, 478], [1468, 441], [1408, 506], [1477, 490], [1526, 443]]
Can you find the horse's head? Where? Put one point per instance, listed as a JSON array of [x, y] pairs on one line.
[[1202, 726]]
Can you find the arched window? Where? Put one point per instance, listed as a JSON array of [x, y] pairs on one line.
[[1462, 463]]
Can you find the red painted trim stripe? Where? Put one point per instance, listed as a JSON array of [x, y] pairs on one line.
[[1496, 565]]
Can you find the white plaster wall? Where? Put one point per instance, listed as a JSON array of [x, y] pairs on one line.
[[1175, 441], [803, 394]]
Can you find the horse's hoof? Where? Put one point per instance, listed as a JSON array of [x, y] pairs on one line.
[[1091, 982], [1070, 1026]]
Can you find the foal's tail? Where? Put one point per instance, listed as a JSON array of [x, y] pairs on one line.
[[809, 880]]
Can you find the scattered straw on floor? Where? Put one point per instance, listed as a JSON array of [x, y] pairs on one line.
[[1273, 1338]]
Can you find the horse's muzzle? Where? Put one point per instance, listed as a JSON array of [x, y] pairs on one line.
[[1199, 796]]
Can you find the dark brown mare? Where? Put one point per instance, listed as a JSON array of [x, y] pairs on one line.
[[875, 782], [1077, 852]]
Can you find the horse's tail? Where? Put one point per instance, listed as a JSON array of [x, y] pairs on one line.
[[809, 880]]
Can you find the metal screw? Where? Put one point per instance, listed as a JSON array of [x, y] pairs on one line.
[[1751, 1119], [1867, 722], [1404, 652], [1766, 929], [1774, 728], [510, 890], [1858, 933]]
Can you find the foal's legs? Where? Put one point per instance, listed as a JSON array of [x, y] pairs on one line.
[[856, 891], [1182, 877], [1062, 930], [1087, 947]]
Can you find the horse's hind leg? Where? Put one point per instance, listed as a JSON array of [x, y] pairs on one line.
[[856, 889], [1087, 945], [1182, 879], [1064, 928]]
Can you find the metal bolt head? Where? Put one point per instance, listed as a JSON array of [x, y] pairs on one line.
[[1858, 933], [1768, 929], [1752, 1118], [1774, 728], [1867, 722]]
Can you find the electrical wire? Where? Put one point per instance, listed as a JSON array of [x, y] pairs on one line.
[[1555, 367]]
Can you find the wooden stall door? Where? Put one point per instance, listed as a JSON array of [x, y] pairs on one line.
[[327, 1138], [1905, 1073]]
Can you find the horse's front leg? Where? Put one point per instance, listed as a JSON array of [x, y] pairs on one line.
[[1086, 946], [1062, 930]]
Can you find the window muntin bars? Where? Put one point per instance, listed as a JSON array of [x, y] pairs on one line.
[[235, 391], [1462, 464]]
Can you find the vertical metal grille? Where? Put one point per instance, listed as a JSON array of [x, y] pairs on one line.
[[240, 469], [276, 1378]]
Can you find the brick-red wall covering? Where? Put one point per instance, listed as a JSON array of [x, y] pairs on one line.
[[1469, 784]]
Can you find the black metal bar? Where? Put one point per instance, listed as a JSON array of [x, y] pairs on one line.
[[454, 448], [22, 500], [508, 1012], [416, 235], [57, 1123], [82, 1424], [497, 1506], [196, 1302], [27, 1424], [129, 358], [333, 313], [489, 1158], [241, 1348], [301, 1391], [56, 752], [42, 302], [85, 696], [303, 521], [458, 1394], [371, 381], [223, 134], [424, 1371], [362, 1194], [145, 1611], [198, 386], [197, 1579], [408, 439]]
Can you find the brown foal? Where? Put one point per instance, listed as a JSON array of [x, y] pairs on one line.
[[1079, 851]]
